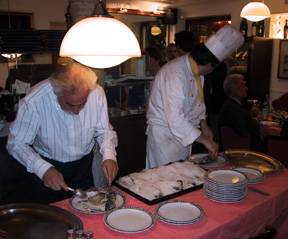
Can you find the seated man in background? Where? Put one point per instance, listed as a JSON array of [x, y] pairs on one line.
[[153, 60], [171, 52], [55, 130], [233, 112]]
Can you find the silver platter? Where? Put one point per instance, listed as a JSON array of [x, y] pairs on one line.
[[252, 159], [36, 221]]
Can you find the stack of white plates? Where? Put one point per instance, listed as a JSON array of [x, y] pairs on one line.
[[225, 185]]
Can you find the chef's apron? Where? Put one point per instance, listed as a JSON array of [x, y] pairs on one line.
[[159, 138]]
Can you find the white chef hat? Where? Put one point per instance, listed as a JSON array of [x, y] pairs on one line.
[[224, 42]]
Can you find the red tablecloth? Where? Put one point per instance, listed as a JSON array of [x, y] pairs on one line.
[[234, 220], [269, 130]]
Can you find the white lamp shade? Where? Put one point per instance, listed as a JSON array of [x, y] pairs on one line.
[[100, 42], [255, 11]]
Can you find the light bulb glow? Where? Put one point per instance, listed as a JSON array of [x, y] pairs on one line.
[[12, 55], [100, 42]]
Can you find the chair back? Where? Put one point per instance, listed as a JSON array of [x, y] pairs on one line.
[[269, 233], [277, 147], [229, 139]]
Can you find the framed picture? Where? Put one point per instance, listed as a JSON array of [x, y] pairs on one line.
[[283, 60]]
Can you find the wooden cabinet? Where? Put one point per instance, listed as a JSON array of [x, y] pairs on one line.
[[131, 150], [254, 60]]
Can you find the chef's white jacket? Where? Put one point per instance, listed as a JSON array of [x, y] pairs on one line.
[[174, 113]]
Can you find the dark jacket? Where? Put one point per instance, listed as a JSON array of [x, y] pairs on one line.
[[235, 115]]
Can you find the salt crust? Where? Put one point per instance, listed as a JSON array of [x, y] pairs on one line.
[[163, 180]]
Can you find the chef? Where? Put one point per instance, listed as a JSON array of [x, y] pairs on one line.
[[176, 114]]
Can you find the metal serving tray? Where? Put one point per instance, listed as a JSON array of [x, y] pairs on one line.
[[162, 199], [252, 159], [36, 221]]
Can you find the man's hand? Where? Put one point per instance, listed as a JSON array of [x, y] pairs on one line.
[[53, 179], [110, 169], [206, 130], [209, 144], [256, 113]]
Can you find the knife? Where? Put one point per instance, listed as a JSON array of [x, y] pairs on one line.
[[259, 191]]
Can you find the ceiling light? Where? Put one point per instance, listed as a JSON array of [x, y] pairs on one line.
[[155, 31], [100, 41], [125, 7], [11, 56], [255, 11]]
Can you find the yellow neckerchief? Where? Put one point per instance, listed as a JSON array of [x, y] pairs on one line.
[[195, 70]]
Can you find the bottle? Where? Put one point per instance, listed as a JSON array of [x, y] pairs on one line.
[[253, 31], [265, 108], [88, 235], [71, 234], [244, 27], [285, 30], [260, 28], [79, 234]]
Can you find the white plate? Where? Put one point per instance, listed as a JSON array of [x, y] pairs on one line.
[[226, 176], [269, 123], [75, 204], [179, 212], [220, 161], [129, 220], [254, 175]]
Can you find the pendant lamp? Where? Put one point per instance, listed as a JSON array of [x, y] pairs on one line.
[[100, 41], [155, 31], [255, 11]]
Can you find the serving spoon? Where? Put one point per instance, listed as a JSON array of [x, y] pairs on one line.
[[78, 192]]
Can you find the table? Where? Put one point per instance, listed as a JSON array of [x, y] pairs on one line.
[[269, 130], [235, 220]]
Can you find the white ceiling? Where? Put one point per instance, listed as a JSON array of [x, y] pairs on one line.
[[183, 3]]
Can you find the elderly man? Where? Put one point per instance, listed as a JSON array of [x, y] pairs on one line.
[[233, 112], [53, 134], [176, 114]]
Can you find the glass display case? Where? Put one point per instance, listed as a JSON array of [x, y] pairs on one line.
[[128, 97]]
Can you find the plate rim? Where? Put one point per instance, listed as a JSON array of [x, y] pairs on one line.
[[105, 218], [260, 179], [278, 166], [95, 211], [207, 165], [226, 169], [271, 123], [167, 220]]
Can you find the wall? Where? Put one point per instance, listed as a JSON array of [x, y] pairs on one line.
[[44, 12], [192, 9]]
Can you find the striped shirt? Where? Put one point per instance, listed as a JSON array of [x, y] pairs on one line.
[[56, 134]]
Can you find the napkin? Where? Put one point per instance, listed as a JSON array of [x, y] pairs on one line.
[[20, 87]]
